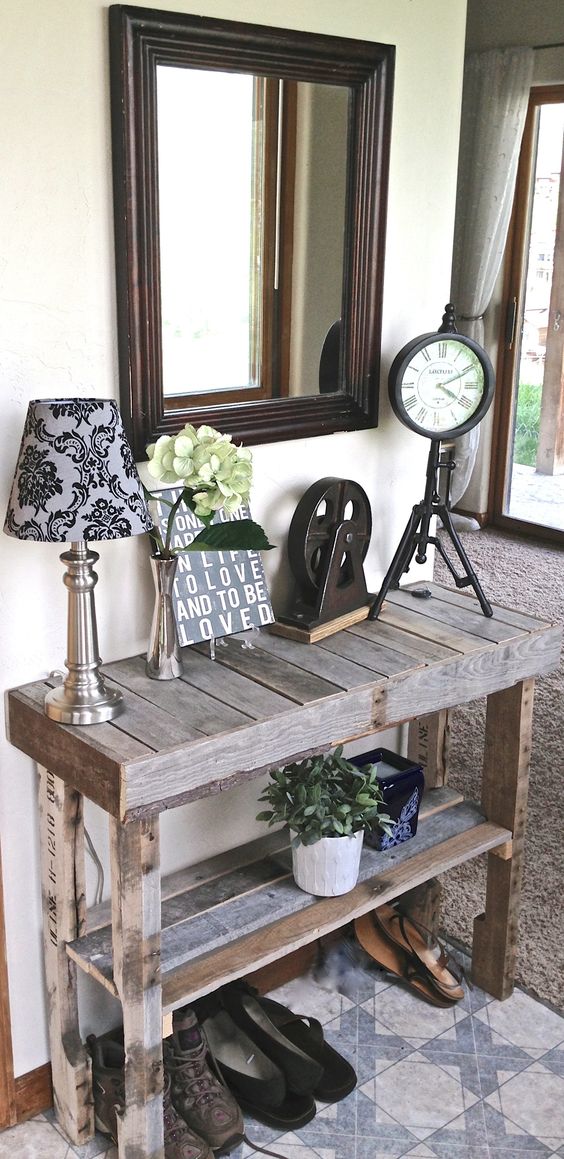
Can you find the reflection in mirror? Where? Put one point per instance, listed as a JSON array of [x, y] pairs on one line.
[[231, 317], [250, 178], [210, 200], [319, 228]]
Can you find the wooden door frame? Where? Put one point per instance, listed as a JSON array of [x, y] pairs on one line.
[[29, 1094], [7, 1081], [515, 258]]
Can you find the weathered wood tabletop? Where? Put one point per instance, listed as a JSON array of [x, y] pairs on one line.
[[266, 699], [262, 702]]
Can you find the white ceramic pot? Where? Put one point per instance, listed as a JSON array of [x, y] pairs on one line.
[[329, 866]]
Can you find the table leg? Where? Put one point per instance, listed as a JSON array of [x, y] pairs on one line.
[[504, 800], [64, 912], [429, 744], [136, 926]]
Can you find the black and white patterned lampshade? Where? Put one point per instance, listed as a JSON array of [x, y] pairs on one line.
[[75, 478]]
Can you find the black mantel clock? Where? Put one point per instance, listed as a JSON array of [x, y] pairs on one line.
[[440, 385]]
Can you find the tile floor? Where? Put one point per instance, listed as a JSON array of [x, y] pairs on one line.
[[483, 1080]]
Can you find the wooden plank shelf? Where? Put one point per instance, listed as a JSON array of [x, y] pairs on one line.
[[217, 919]]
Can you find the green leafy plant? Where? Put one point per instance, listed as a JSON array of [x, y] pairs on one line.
[[324, 796], [214, 475]]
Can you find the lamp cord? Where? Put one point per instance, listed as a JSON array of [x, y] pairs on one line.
[[99, 892]]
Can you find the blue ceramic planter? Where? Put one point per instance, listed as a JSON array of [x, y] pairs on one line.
[[402, 785]]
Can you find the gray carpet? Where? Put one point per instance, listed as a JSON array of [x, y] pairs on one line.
[[528, 575]]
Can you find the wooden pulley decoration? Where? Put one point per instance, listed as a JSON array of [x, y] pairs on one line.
[[328, 540]]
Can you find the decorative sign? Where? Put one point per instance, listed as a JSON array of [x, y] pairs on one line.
[[216, 593]]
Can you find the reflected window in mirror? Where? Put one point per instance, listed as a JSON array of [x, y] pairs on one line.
[[250, 176]]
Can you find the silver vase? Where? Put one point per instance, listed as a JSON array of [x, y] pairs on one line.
[[164, 661]]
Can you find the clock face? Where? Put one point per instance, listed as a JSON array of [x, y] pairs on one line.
[[441, 384]]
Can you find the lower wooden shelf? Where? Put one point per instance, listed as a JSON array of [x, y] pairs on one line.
[[237, 912]]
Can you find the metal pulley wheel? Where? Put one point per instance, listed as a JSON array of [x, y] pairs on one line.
[[331, 509]]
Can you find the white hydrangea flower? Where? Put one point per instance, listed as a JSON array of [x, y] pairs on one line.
[[206, 461]]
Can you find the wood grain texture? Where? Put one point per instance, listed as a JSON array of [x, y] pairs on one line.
[[272, 671], [204, 871], [187, 773], [8, 1109], [428, 744], [225, 722], [339, 671], [468, 601], [384, 661], [484, 627], [217, 763], [34, 1093], [479, 673], [312, 635], [205, 745], [504, 800], [199, 712], [401, 641], [63, 895], [292, 931], [89, 768], [233, 688], [136, 927], [209, 918]]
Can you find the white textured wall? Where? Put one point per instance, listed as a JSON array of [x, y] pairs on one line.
[[57, 337]]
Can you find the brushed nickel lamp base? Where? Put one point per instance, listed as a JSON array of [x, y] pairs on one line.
[[83, 698]]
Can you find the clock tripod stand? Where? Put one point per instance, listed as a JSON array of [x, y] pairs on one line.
[[416, 536]]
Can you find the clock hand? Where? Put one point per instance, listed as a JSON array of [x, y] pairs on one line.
[[460, 374], [450, 393]]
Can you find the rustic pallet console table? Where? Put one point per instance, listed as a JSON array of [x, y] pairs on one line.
[[156, 944]]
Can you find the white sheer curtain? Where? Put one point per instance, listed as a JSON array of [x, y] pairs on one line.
[[494, 106]]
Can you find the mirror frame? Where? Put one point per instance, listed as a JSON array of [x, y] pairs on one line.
[[142, 38]]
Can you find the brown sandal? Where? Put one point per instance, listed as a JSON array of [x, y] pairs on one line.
[[397, 961], [441, 969]]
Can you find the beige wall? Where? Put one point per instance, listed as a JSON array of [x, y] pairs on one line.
[[58, 337]]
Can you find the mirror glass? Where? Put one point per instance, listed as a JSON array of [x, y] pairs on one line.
[[250, 178], [217, 284]]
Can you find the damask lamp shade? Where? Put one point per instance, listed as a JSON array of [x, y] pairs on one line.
[[76, 481]]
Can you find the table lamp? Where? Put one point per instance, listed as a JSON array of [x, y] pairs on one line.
[[75, 480]]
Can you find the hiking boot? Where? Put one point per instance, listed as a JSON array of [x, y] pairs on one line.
[[108, 1082], [180, 1142], [197, 1094]]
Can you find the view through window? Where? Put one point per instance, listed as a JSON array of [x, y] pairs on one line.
[[535, 487]]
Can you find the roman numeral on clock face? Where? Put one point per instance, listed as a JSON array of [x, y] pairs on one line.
[[421, 414], [465, 402], [410, 402]]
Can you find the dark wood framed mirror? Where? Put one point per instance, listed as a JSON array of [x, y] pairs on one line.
[[222, 218]]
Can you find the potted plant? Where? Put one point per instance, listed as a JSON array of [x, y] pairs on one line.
[[328, 803], [213, 475]]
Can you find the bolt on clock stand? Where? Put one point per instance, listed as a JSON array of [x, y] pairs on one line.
[[416, 537]]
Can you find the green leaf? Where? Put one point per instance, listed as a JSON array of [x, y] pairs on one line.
[[236, 535]]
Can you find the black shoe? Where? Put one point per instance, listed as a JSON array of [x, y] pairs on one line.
[[302, 1072], [256, 1081], [339, 1077]]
